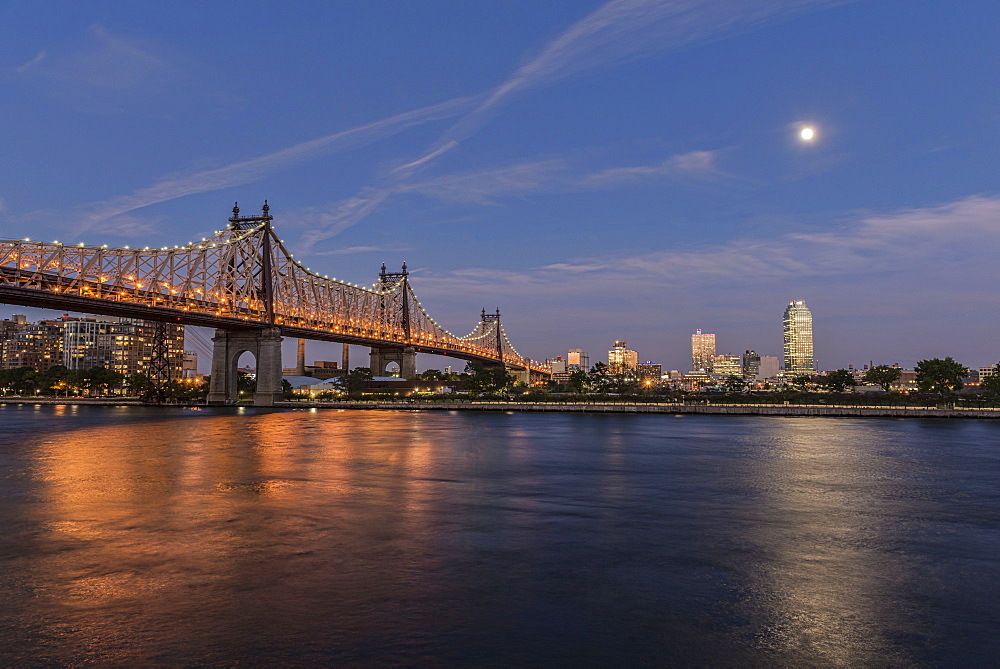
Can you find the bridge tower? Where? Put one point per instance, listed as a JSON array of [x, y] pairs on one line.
[[492, 321], [404, 356], [264, 344]]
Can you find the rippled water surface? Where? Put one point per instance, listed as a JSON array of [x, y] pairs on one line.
[[142, 536]]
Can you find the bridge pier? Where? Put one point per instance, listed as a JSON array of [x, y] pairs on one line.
[[405, 357], [522, 374], [265, 345]]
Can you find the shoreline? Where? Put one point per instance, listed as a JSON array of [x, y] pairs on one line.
[[832, 411]]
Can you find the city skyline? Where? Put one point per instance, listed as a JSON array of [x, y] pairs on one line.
[[200, 342], [533, 131]]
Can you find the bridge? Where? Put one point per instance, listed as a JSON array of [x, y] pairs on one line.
[[243, 282]]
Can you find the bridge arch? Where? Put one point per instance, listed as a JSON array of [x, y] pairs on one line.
[[228, 346], [404, 357]]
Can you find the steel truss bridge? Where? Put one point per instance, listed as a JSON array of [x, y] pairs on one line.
[[242, 280]]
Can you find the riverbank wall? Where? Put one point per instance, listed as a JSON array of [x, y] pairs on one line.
[[833, 411], [705, 409]]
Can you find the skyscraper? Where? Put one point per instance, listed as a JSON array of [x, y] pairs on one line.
[[577, 360], [798, 339], [751, 364], [702, 351], [621, 359]]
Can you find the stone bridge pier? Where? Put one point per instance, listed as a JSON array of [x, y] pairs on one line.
[[265, 346], [405, 357], [521, 374]]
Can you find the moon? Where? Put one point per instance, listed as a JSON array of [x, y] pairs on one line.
[[807, 134]]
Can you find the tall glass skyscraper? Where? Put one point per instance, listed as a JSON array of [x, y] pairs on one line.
[[799, 339], [702, 351]]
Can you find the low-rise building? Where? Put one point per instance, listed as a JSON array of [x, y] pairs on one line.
[[769, 367], [649, 370], [727, 365]]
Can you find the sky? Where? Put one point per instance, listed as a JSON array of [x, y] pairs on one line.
[[599, 171]]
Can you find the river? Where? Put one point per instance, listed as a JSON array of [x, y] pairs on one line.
[[137, 536]]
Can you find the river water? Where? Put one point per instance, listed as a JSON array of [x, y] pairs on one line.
[[137, 536]]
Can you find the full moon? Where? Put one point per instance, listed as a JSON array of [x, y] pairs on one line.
[[807, 134]]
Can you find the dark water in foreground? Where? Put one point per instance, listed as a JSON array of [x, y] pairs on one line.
[[138, 536]]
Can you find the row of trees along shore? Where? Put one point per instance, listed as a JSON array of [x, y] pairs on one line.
[[939, 380], [60, 381]]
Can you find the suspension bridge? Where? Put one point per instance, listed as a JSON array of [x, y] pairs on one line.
[[243, 282]]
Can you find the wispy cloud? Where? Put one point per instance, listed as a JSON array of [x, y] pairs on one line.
[[550, 175], [617, 32], [104, 61], [352, 250], [251, 170], [21, 69], [694, 163], [481, 185], [330, 221]]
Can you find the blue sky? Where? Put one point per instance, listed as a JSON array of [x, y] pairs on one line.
[[599, 171]]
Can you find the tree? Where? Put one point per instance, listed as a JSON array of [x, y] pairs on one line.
[[431, 375], [353, 382], [622, 379], [735, 384], [54, 378], [577, 382], [801, 381], [22, 380], [940, 376], [99, 380], [137, 384], [599, 378], [246, 384], [882, 375], [990, 385], [487, 379], [838, 381]]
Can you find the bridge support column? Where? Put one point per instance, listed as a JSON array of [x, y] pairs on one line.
[[522, 374], [265, 345], [405, 357]]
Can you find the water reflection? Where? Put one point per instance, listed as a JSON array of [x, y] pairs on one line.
[[134, 536], [831, 588]]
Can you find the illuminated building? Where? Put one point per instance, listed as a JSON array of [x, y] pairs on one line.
[[577, 360], [702, 351], [727, 365], [189, 368], [621, 359], [119, 344], [124, 345], [556, 364], [798, 324], [35, 345], [751, 364], [649, 370]]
